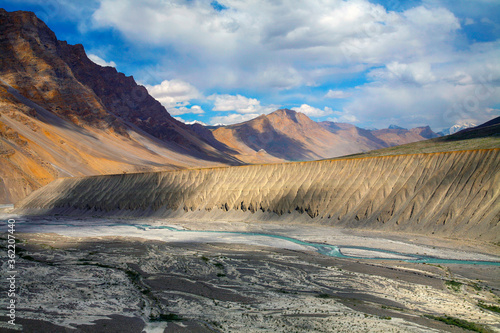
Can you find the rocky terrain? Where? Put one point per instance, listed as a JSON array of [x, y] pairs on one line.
[[287, 135], [484, 136], [117, 231], [106, 277], [62, 115]]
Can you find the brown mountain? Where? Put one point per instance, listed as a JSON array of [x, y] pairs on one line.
[[286, 135], [62, 115], [401, 136]]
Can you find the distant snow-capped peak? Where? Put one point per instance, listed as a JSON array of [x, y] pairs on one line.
[[457, 128], [190, 122]]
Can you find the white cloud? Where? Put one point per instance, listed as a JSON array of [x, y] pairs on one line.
[[311, 111], [240, 104], [280, 77], [418, 73], [487, 21], [420, 64], [195, 109], [247, 46], [174, 93], [415, 94], [233, 118], [337, 94], [100, 61]]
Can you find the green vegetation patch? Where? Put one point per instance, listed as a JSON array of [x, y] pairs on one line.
[[453, 285], [476, 286], [461, 323], [219, 265], [493, 308]]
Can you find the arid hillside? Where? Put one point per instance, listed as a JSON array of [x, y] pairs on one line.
[[287, 135], [451, 194], [37, 147], [485, 136], [63, 115]]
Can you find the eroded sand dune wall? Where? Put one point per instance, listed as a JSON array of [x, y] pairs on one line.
[[453, 194]]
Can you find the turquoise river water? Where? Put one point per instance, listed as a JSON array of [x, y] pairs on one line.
[[336, 251]]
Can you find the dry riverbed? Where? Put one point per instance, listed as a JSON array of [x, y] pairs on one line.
[[103, 278]]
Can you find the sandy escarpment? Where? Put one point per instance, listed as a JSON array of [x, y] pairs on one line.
[[453, 194]]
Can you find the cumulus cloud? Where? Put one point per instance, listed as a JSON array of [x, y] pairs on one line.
[[100, 61], [247, 41], [418, 73], [311, 111], [174, 93], [280, 77], [240, 104], [423, 67], [195, 109], [416, 94]]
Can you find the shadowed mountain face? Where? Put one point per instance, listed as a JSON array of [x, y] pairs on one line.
[[62, 115], [291, 136]]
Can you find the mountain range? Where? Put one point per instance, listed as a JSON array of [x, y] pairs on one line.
[[62, 115], [286, 135]]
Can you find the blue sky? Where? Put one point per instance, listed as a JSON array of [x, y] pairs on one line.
[[369, 63]]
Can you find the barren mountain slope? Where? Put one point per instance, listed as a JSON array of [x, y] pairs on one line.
[[485, 136], [37, 147], [397, 136], [63, 115], [455, 194], [288, 135]]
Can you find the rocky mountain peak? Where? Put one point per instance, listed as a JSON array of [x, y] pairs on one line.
[[62, 79], [396, 127]]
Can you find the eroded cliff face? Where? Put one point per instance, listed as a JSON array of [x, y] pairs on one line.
[[453, 194]]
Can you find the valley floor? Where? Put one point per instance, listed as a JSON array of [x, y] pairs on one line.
[[102, 275]]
